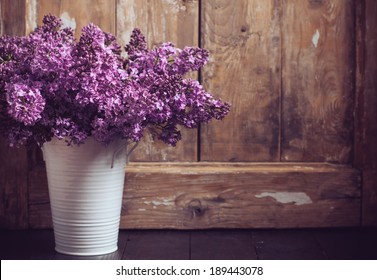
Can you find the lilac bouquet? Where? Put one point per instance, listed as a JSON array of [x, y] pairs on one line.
[[53, 86]]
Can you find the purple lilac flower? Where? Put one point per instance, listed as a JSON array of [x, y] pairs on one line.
[[53, 86], [25, 103]]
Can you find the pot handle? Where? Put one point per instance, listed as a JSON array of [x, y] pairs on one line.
[[128, 153]]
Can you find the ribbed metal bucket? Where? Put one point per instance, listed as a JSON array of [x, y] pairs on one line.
[[85, 187]]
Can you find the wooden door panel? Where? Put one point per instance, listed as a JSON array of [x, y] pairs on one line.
[[317, 80], [243, 38], [75, 14], [162, 21]]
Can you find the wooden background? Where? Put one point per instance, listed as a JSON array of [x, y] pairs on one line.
[[298, 148]]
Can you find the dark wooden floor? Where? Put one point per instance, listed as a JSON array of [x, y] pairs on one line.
[[305, 244]]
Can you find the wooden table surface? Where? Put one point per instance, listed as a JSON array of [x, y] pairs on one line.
[[264, 244]]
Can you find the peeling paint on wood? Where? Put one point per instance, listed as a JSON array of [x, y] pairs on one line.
[[31, 15], [318, 61], [297, 198], [163, 201], [315, 38], [68, 21]]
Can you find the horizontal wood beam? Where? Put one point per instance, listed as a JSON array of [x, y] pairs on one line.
[[222, 195], [240, 195]]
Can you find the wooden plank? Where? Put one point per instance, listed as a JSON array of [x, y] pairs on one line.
[[13, 17], [276, 195], [318, 80], [369, 128], [222, 245], [75, 14], [157, 245], [13, 162], [162, 21], [287, 245], [202, 196], [243, 38]]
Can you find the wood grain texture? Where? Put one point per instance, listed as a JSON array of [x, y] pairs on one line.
[[240, 196], [162, 21], [74, 13], [370, 117], [318, 82], [13, 17], [192, 196], [243, 38]]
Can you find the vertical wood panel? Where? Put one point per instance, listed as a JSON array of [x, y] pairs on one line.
[[318, 82], [175, 21], [13, 17], [243, 38], [13, 161], [76, 13], [369, 210]]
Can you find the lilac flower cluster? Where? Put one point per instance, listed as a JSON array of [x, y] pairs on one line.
[[53, 86]]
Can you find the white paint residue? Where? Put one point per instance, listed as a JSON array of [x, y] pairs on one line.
[[176, 5], [31, 15], [68, 21], [298, 198], [315, 38], [126, 20], [142, 209], [164, 201]]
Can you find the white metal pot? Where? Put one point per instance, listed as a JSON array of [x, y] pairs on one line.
[[86, 188]]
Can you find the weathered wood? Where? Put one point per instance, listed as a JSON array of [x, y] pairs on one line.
[[318, 80], [13, 17], [162, 21], [75, 14], [243, 38], [188, 196], [13, 162], [369, 117]]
